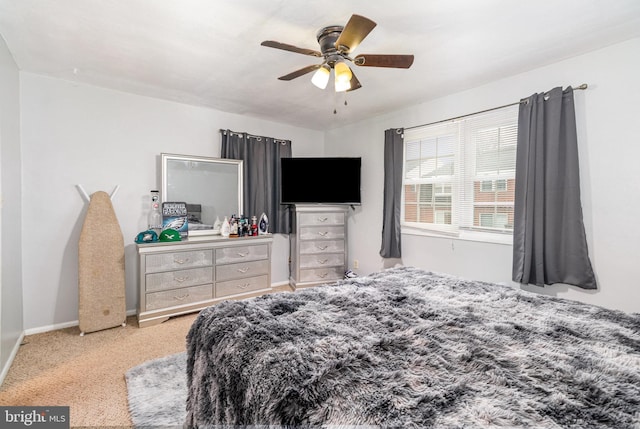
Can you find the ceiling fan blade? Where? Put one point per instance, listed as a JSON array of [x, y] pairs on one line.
[[302, 71], [353, 33], [380, 60], [355, 83], [291, 48]]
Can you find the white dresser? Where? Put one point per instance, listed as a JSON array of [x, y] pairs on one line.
[[182, 277], [318, 245]]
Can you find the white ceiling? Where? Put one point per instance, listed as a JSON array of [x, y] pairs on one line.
[[208, 53]]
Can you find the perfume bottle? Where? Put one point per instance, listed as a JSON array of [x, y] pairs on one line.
[[154, 218], [233, 226], [254, 226]]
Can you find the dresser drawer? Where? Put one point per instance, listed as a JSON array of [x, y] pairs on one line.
[[321, 274], [177, 279], [235, 287], [233, 254], [243, 269], [322, 260], [321, 219], [321, 246], [321, 232], [172, 298], [178, 260]]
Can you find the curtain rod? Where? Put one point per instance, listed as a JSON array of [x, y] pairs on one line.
[[259, 138], [583, 86]]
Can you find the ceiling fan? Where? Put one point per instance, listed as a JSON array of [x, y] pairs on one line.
[[336, 43]]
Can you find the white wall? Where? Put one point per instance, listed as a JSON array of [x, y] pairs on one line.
[[11, 326], [99, 138], [78, 134], [609, 151]]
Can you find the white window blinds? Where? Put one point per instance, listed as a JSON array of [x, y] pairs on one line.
[[460, 175]]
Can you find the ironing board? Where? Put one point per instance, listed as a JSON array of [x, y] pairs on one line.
[[101, 277]]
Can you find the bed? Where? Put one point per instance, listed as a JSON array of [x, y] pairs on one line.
[[410, 348]]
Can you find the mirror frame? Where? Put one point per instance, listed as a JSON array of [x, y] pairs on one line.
[[167, 157]]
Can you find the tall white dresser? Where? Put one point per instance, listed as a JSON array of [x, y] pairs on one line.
[[318, 245]]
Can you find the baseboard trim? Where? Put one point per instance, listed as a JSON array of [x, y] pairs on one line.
[[12, 356], [48, 328]]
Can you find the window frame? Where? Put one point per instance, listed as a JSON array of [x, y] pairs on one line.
[[463, 201]]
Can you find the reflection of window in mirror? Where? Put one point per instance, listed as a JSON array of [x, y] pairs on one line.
[[211, 188]]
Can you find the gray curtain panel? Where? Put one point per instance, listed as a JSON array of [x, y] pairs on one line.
[[549, 240], [261, 156], [393, 149]]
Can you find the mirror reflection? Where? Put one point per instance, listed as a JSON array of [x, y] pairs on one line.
[[211, 188]]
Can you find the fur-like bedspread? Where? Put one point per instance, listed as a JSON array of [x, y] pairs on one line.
[[414, 349]]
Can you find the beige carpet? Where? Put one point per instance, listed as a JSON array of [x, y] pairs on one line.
[[87, 373]]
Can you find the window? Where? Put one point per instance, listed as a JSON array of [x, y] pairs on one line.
[[486, 186], [459, 176], [493, 220], [493, 185]]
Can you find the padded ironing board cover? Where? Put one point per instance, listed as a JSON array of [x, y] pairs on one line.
[[101, 276]]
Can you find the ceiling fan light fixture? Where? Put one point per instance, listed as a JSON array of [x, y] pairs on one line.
[[336, 43], [343, 72], [342, 86], [321, 76]]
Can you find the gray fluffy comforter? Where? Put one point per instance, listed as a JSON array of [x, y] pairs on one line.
[[410, 348]]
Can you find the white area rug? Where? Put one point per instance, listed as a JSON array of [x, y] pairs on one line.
[[157, 391]]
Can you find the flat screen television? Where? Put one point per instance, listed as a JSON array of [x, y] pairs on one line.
[[320, 180]]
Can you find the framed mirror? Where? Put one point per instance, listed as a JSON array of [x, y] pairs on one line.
[[211, 188]]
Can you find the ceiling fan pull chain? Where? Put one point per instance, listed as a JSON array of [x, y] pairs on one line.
[[335, 109]]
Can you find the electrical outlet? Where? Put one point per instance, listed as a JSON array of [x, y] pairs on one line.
[[356, 264]]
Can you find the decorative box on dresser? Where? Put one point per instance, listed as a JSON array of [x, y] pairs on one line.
[[318, 245], [182, 277]]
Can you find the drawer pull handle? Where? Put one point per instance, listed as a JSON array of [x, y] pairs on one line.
[[181, 261], [242, 255], [181, 297], [323, 275], [321, 247], [243, 286], [322, 261], [181, 279], [323, 219], [243, 270], [323, 233]]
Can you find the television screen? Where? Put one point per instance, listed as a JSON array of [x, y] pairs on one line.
[[320, 180]]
